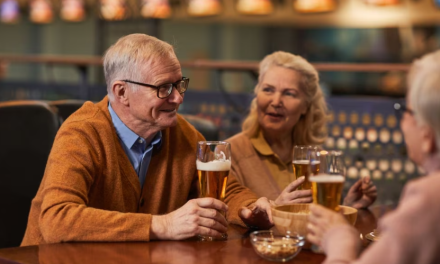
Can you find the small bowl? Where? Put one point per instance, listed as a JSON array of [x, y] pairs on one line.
[[274, 247], [294, 218]]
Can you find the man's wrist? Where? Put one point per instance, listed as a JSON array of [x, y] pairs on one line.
[[158, 230]]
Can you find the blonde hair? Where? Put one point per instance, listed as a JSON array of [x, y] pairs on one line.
[[124, 59], [311, 129], [424, 91]]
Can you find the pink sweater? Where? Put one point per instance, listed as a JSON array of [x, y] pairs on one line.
[[408, 235]]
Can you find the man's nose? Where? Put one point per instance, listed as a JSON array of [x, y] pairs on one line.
[[175, 97]]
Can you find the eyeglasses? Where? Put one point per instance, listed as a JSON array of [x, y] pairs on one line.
[[164, 90], [401, 108]]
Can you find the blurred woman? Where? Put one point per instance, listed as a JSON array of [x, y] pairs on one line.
[[410, 234], [289, 109]]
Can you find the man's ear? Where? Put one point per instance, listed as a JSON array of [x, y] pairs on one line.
[[428, 140], [120, 92]]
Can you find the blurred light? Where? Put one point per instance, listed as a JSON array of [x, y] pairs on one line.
[[113, 9], [72, 10], [204, 7], [437, 3], [41, 11], [382, 2], [155, 8], [255, 7], [314, 6], [9, 11]]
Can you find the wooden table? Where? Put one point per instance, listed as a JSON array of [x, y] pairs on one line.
[[237, 249]]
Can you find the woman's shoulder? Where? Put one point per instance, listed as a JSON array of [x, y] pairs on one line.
[[425, 183], [238, 138], [241, 145], [422, 191]]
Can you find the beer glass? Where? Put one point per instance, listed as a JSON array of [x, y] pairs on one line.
[[213, 166], [302, 166], [328, 180]]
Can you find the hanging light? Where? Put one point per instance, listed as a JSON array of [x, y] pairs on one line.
[[9, 11], [41, 11], [201, 8], [255, 7], [314, 6], [113, 9], [72, 10], [382, 2], [155, 9]]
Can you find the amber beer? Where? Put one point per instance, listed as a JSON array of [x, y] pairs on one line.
[[303, 168], [213, 177], [327, 190]]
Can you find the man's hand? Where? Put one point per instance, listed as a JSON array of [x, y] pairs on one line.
[[362, 194], [290, 195], [197, 217], [258, 215], [321, 220]]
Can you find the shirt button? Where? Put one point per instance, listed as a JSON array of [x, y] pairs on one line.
[[140, 141], [141, 202]]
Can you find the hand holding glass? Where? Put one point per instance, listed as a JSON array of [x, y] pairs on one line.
[[213, 165]]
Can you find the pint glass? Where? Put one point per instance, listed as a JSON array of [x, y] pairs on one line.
[[213, 166], [303, 166], [328, 180]]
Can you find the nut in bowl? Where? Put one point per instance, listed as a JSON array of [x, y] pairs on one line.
[[274, 247], [294, 218]]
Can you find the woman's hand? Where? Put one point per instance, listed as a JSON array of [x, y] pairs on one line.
[[321, 220], [362, 194], [291, 195]]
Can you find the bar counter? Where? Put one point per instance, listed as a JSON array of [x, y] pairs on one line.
[[237, 249]]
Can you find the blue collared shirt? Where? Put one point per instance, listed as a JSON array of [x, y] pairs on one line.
[[135, 146]]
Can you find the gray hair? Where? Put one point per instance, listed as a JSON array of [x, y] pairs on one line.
[[124, 59], [424, 91], [311, 129]]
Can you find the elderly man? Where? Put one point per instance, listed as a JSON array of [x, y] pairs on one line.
[[124, 169]]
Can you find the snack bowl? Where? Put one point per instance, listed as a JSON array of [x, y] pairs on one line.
[[294, 218], [276, 247]]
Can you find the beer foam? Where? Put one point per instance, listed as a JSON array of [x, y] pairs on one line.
[[302, 162], [306, 162], [327, 178], [315, 162], [215, 165]]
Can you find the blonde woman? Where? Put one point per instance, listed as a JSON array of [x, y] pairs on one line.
[[289, 109], [410, 234]]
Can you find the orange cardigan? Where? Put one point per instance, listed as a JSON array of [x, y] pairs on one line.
[[91, 192]]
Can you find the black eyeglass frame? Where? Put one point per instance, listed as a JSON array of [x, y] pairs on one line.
[[170, 88], [402, 108]]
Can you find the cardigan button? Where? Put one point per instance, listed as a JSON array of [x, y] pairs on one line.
[[141, 202]]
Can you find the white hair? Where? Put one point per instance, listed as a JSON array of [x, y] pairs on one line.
[[125, 59], [424, 91]]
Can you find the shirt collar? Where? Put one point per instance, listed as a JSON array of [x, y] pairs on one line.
[[260, 144], [157, 140], [126, 134]]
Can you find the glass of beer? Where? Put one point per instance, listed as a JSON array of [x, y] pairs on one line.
[[213, 166], [302, 166], [328, 180]]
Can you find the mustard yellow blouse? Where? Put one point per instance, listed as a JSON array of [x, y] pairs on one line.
[[282, 172]]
